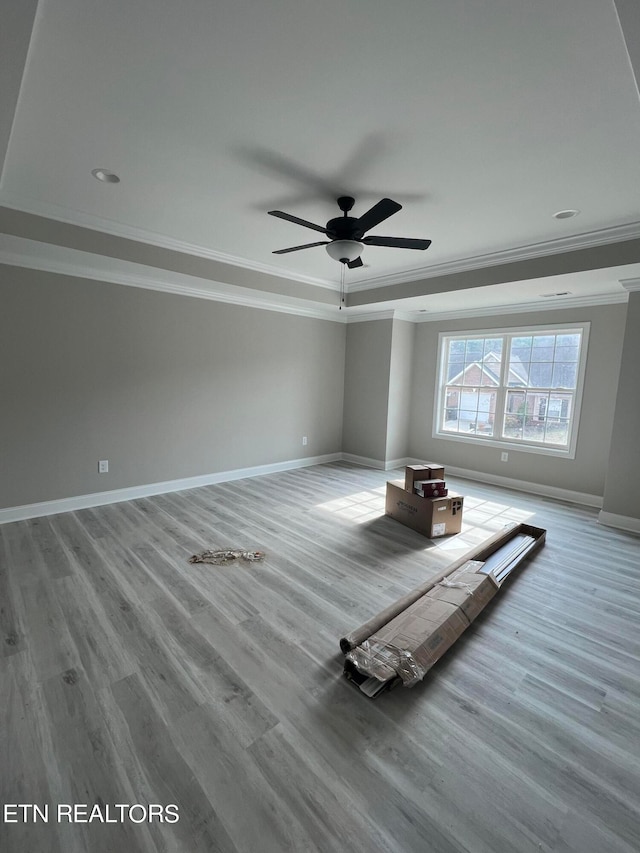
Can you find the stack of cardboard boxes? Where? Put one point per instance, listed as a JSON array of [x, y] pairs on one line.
[[424, 503]]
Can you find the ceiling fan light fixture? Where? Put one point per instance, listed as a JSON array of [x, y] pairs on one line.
[[345, 251]]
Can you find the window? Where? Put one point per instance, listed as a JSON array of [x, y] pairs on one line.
[[516, 387]]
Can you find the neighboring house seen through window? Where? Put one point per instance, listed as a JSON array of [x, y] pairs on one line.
[[516, 387]]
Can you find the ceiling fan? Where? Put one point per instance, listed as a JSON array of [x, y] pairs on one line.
[[346, 233]]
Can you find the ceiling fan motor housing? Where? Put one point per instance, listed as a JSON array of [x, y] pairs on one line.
[[344, 228]]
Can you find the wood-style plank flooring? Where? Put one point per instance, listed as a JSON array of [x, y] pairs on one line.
[[129, 675]]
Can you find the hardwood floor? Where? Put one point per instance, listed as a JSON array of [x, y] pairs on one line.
[[130, 676]]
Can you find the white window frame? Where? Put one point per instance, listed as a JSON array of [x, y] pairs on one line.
[[481, 440]]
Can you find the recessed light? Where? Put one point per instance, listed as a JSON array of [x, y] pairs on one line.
[[565, 214], [105, 176]]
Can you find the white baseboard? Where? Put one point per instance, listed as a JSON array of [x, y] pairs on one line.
[[555, 492], [622, 522], [392, 464], [36, 510], [363, 460], [366, 462]]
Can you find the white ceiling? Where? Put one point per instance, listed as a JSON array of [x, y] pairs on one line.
[[481, 118]]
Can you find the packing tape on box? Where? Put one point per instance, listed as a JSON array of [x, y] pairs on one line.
[[457, 585], [384, 661], [451, 583]]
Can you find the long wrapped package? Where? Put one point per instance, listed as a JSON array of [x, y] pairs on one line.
[[479, 552], [406, 639], [409, 645]]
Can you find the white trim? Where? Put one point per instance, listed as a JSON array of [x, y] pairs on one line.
[[392, 464], [30, 254], [368, 315], [554, 492], [568, 452], [364, 314], [152, 238], [542, 304], [479, 440], [365, 461], [78, 502], [36, 510], [622, 522], [605, 236], [630, 283], [590, 239]]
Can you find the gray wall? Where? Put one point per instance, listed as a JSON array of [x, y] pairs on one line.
[[162, 386], [585, 473], [366, 388], [622, 487], [169, 387], [400, 376], [377, 391]]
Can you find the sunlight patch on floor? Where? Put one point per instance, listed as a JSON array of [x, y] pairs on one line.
[[359, 507], [480, 515]]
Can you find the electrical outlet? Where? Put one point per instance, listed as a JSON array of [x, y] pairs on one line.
[[304, 441], [504, 457], [103, 466]]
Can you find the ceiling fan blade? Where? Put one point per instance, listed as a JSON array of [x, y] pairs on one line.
[[296, 220], [397, 242], [355, 264], [297, 248], [378, 213]]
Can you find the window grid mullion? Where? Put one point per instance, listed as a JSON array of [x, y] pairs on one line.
[[501, 391]]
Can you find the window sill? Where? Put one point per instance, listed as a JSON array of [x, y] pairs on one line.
[[478, 440]]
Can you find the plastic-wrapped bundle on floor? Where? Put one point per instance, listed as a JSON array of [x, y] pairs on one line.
[[405, 640]]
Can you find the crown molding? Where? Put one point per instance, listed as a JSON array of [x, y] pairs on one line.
[[367, 315], [129, 232], [20, 252], [590, 239], [618, 233], [523, 307], [630, 283]]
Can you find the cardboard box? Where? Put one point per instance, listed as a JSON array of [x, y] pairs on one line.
[[430, 488], [435, 483], [469, 589], [424, 471], [439, 493], [433, 517]]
